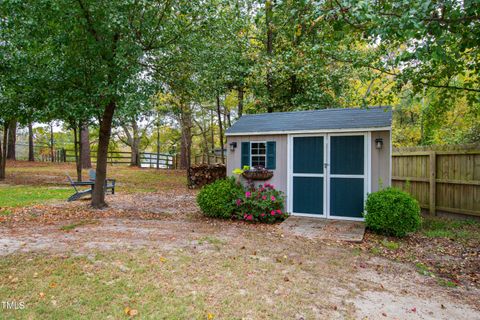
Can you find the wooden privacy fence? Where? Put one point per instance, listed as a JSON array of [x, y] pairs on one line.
[[445, 180]]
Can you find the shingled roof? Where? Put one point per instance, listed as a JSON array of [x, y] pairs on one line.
[[314, 120]]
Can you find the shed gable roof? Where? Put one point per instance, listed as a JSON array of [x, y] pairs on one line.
[[314, 120]]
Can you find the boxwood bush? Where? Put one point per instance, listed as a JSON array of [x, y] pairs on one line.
[[392, 212], [218, 199]]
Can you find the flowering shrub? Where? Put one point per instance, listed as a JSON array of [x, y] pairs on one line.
[[263, 204]]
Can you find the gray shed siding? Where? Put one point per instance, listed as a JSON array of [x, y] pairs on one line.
[[380, 160], [279, 179]]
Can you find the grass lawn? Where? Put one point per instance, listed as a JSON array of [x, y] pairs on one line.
[[19, 196], [152, 255], [129, 180], [247, 275], [100, 286], [451, 228]]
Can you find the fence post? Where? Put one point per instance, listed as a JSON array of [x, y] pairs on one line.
[[433, 180]]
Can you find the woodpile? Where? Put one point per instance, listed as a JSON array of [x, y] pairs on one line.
[[202, 174]]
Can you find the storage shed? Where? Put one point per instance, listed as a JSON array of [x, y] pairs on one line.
[[325, 161]]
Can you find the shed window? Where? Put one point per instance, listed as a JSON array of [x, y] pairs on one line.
[[258, 154]]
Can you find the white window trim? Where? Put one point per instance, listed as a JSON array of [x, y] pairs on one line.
[[258, 155]]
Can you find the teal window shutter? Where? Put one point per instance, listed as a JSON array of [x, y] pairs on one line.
[[271, 154], [245, 154]]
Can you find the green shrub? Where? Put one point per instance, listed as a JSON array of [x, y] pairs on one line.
[[392, 212], [218, 199]]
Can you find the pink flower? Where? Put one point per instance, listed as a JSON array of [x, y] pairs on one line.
[[244, 216], [272, 198], [248, 194], [279, 211], [249, 217], [239, 202], [272, 212], [264, 197], [262, 215]]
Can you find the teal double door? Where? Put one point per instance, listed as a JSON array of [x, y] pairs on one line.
[[328, 175]]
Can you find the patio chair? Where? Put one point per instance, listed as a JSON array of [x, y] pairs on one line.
[[79, 193], [109, 183]]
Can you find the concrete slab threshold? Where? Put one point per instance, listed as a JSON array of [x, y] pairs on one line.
[[319, 228]]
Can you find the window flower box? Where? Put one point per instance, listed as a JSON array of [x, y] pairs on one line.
[[257, 173]]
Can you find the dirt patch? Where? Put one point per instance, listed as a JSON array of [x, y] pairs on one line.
[[244, 261], [326, 229], [393, 290], [385, 305]]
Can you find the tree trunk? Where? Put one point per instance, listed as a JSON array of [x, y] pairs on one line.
[[3, 152], [220, 127], [12, 140], [158, 147], [135, 145], [76, 148], [212, 132], [240, 93], [31, 151], [229, 119], [269, 49], [135, 155], [52, 155], [205, 144], [85, 157], [98, 195], [133, 141], [186, 142]]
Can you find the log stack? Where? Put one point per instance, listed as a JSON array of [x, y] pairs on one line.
[[202, 174]]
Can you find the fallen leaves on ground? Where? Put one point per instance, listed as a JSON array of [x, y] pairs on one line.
[[130, 312], [456, 261], [161, 205]]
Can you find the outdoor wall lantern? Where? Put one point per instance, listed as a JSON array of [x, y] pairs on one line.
[[233, 145], [379, 143]]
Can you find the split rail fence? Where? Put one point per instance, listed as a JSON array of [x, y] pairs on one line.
[[444, 180], [147, 159]]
